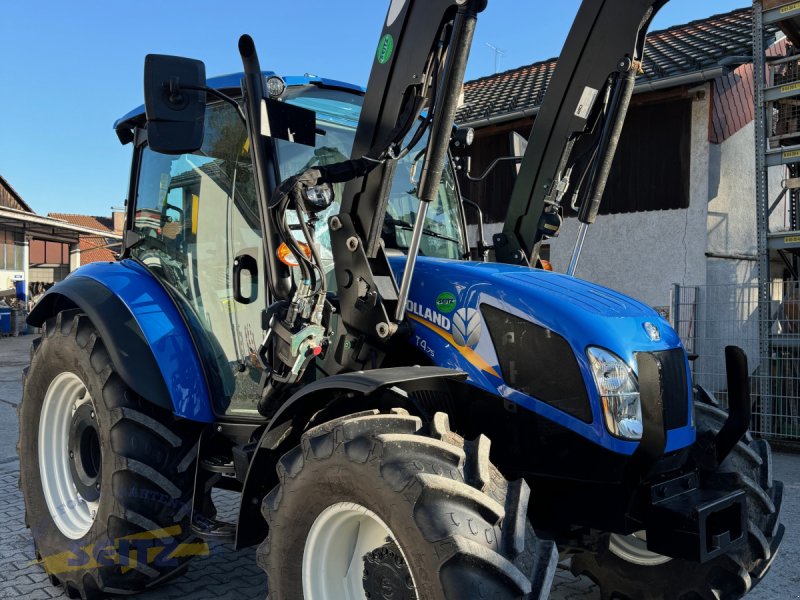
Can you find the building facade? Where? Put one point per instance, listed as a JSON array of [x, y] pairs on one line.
[[38, 251], [679, 206]]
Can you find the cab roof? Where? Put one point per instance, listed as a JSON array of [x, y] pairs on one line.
[[233, 81]]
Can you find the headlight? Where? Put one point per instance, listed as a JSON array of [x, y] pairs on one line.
[[619, 392]]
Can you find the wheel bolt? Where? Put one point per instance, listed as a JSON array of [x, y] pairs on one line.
[[71, 454], [92, 415], [97, 486]]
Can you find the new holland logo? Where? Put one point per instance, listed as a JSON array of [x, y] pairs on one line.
[[415, 308], [466, 329]]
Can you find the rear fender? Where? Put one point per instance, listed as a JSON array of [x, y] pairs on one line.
[[145, 336], [358, 391]]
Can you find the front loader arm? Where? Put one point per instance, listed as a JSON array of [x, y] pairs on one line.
[[418, 70], [414, 87], [588, 98]]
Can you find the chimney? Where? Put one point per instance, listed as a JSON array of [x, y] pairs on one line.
[[118, 215]]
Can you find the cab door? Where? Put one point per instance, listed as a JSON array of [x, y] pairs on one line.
[[199, 228]]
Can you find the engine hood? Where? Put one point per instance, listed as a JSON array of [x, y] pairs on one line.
[[446, 310], [584, 313]]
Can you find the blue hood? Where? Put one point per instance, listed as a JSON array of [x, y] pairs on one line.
[[444, 294]]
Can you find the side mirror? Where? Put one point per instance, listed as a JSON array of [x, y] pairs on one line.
[[174, 102]]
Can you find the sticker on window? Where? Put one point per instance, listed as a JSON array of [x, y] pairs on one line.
[[586, 103]]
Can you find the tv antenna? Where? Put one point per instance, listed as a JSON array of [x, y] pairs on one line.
[[497, 54]]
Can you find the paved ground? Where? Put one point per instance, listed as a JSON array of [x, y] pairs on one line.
[[225, 574]]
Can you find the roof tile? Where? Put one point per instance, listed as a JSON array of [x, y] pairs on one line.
[[99, 223], [679, 50]]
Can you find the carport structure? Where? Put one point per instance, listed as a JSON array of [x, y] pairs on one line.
[[25, 228]]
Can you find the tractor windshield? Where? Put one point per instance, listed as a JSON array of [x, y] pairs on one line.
[[172, 189], [197, 216], [337, 118]]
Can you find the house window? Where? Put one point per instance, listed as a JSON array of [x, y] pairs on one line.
[[11, 251], [49, 253]]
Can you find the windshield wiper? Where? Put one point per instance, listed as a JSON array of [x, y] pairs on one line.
[[430, 232]]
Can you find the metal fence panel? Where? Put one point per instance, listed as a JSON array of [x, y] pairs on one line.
[[710, 317]]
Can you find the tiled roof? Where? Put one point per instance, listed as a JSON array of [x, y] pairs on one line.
[[93, 248], [99, 223], [679, 50], [96, 249]]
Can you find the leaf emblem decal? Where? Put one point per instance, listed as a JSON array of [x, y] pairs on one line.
[[466, 329]]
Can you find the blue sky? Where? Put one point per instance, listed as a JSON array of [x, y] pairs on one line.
[[69, 69]]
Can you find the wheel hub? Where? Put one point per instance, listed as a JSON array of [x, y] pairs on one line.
[[386, 574], [84, 453], [350, 554]]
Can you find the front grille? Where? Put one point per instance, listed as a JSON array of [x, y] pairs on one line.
[[673, 374], [538, 362]]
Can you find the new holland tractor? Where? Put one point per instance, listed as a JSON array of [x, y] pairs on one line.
[[295, 319]]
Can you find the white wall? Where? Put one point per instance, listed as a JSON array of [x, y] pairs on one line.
[[643, 254]]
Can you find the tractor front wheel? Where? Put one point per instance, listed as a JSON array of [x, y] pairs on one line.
[[377, 506], [106, 476]]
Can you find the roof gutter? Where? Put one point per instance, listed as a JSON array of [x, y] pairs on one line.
[[641, 87], [26, 217]]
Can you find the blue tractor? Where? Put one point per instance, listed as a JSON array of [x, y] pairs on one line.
[[295, 318]]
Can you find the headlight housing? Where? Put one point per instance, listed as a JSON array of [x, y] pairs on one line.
[[619, 391]]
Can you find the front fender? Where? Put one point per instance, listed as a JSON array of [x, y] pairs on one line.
[[144, 333], [361, 385]]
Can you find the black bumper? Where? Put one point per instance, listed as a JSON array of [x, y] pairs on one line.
[[684, 518], [690, 522]]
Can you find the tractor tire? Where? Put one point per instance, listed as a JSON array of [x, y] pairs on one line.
[[728, 577], [375, 506], [106, 476]]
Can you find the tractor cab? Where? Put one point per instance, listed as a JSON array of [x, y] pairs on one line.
[[195, 222]]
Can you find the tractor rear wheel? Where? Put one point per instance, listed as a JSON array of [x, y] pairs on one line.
[[377, 506], [106, 476], [625, 569]]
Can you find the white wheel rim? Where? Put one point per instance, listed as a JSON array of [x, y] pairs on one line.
[[633, 548], [333, 565], [72, 514]]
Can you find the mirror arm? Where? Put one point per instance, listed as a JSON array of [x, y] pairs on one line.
[[219, 95], [483, 248], [495, 162]]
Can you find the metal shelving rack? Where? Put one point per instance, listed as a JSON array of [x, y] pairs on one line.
[[776, 77], [777, 121]]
